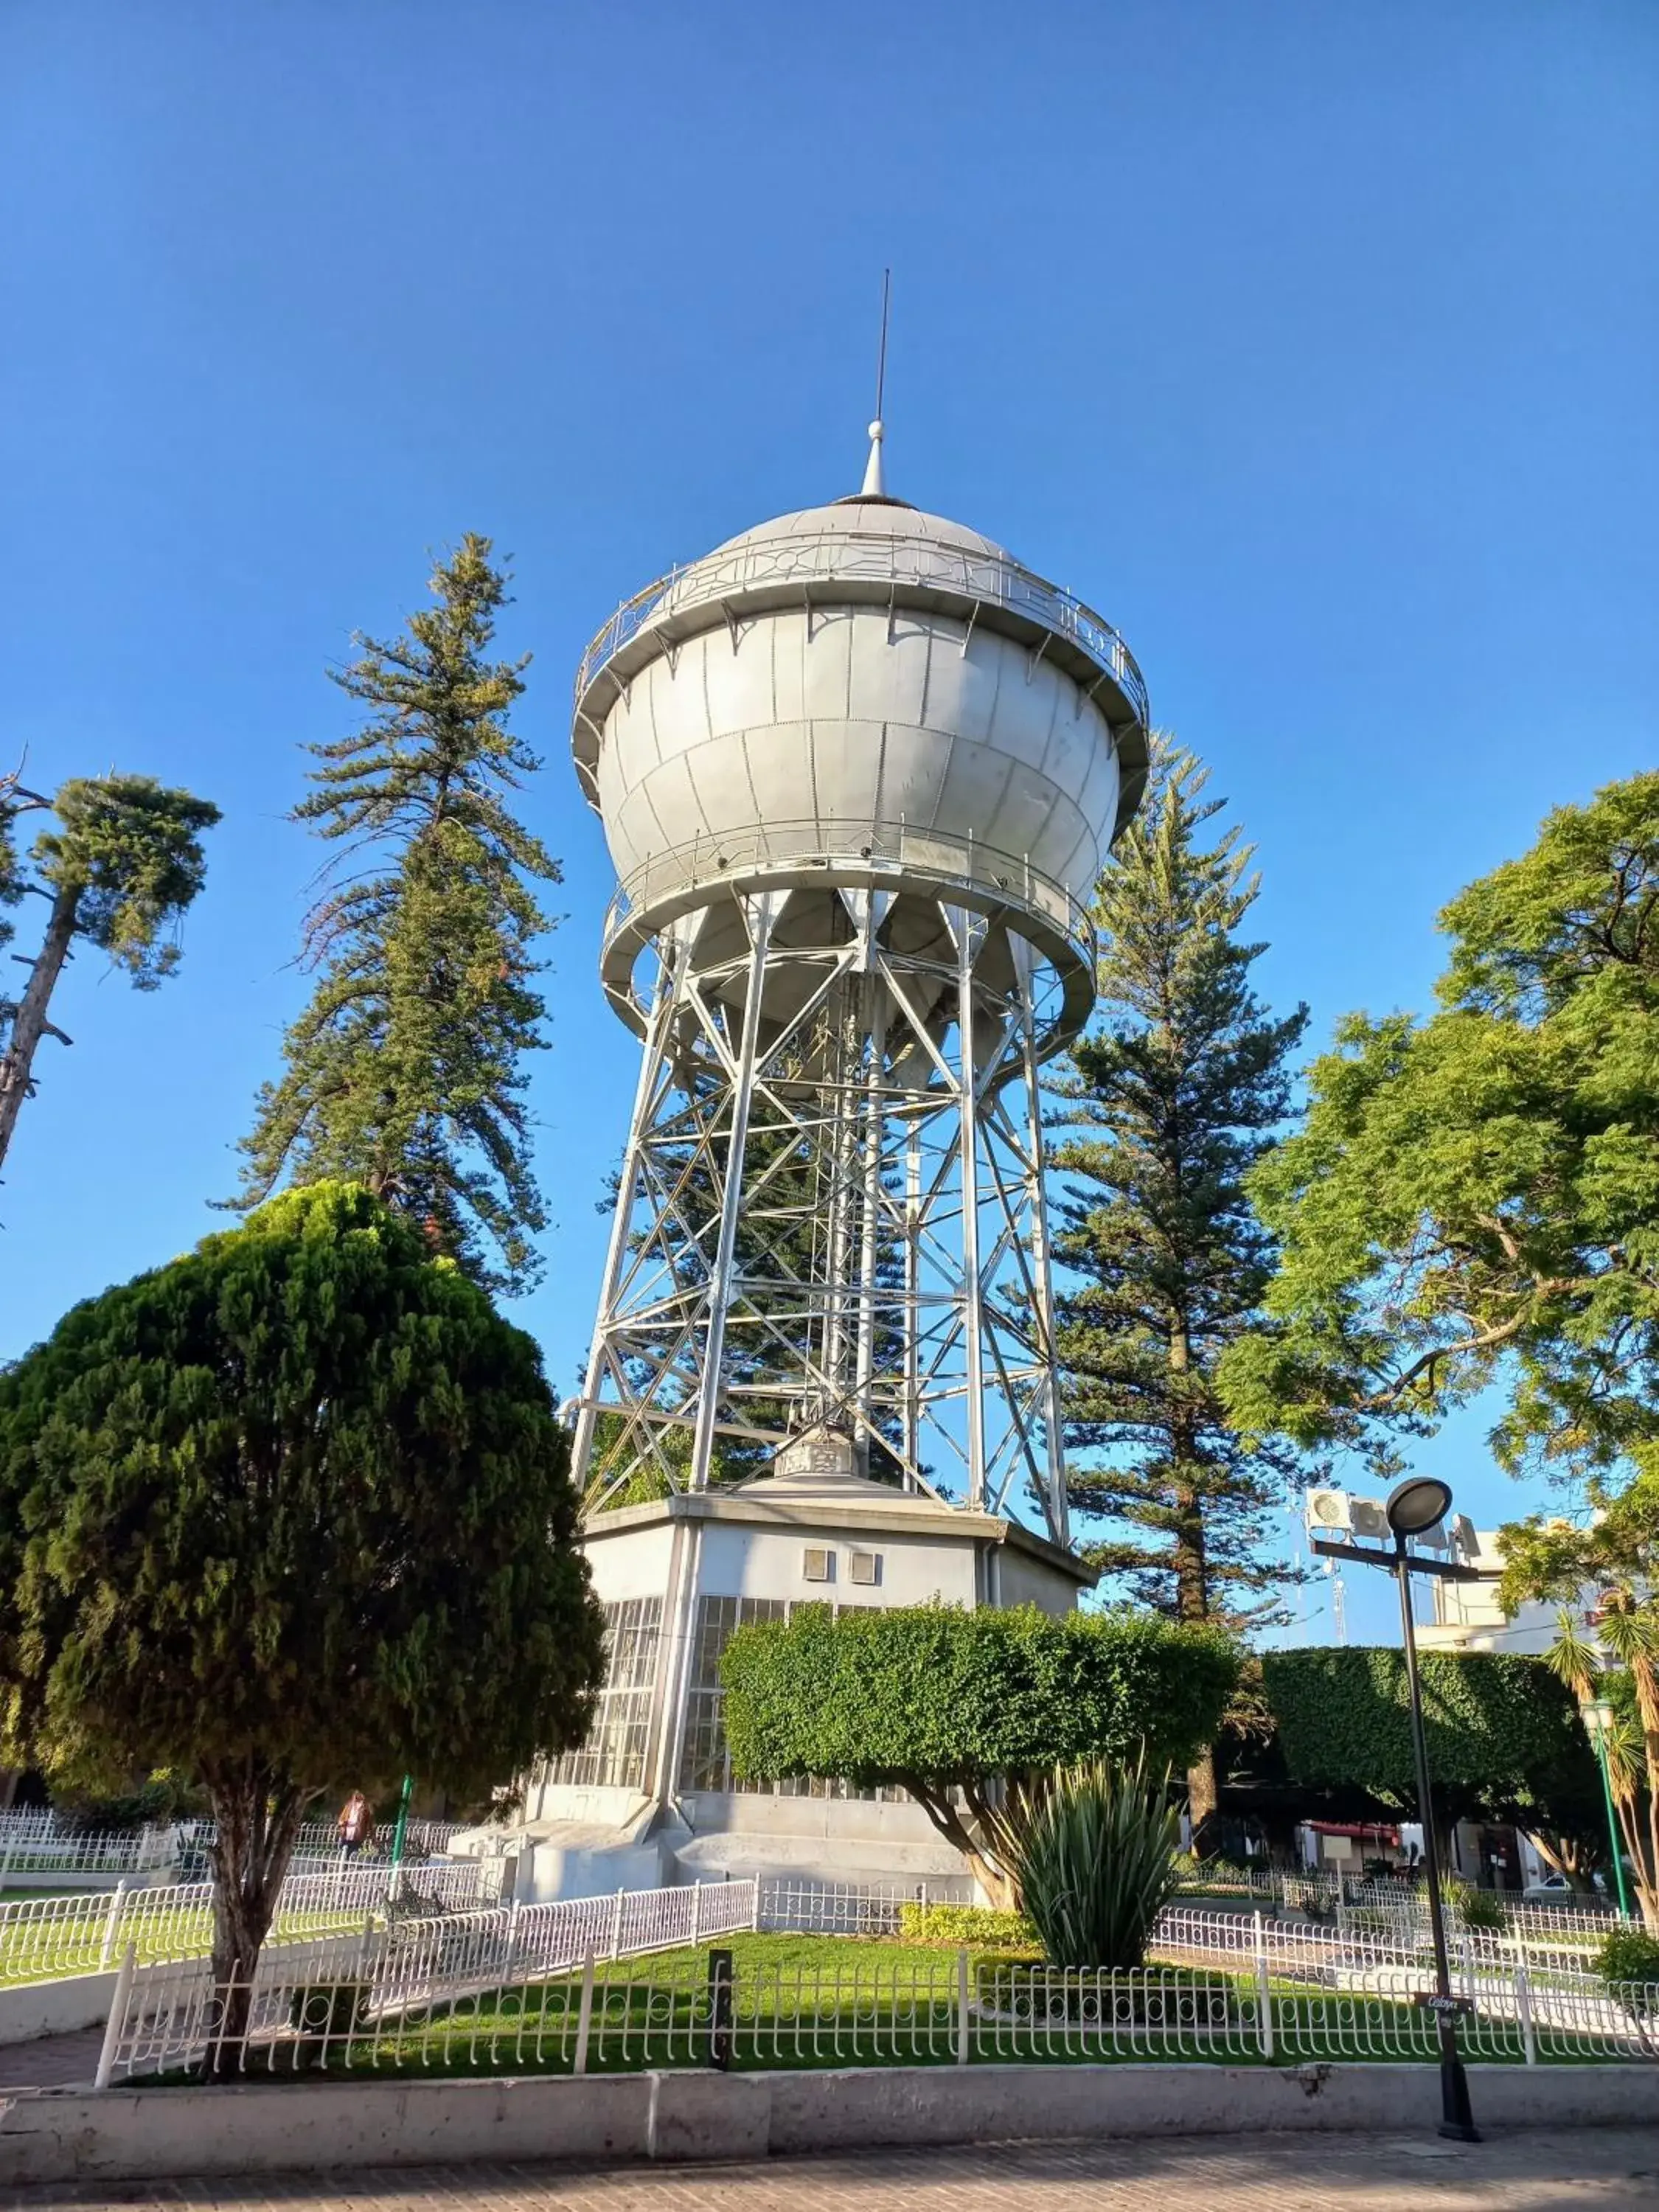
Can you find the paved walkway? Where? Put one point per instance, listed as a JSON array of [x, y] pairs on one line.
[[1567, 2172], [51, 2062]]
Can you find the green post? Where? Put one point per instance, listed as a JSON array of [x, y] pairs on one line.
[[1599, 1737], [402, 1828]]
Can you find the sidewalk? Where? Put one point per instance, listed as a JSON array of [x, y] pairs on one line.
[[1524, 2172]]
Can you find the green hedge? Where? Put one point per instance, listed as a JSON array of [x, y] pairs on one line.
[[879, 1696], [1503, 1731]]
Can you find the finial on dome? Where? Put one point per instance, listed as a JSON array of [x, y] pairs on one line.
[[875, 483]]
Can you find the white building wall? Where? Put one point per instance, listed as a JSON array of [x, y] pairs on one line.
[[1467, 1617], [631, 1565], [748, 1562]]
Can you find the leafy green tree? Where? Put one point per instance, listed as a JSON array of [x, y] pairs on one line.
[[404, 1072], [118, 861], [1610, 1565], [951, 1706], [292, 1509], [1504, 1740], [1473, 1199], [1172, 1098]]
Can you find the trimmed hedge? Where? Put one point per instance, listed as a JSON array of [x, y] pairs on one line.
[[882, 1698], [1504, 1733]]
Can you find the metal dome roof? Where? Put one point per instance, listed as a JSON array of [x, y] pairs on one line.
[[862, 517]]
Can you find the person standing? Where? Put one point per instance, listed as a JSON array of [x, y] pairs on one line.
[[355, 1824]]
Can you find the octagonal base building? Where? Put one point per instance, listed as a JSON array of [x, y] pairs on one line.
[[859, 770]]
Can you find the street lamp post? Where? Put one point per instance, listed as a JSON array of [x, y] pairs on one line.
[[1414, 1507], [1598, 1717]]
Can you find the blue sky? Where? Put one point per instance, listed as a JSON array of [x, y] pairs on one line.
[[1316, 347]]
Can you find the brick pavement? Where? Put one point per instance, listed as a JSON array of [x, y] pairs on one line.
[[1572, 2171]]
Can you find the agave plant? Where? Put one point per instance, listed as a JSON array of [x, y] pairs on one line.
[[1094, 1855]]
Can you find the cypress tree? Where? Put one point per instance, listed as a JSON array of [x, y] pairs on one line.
[[404, 1072], [1168, 1102]]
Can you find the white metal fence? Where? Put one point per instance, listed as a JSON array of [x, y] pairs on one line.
[[45, 1844], [42, 1938], [163, 2016], [35, 1845], [623, 1982], [826, 1908]]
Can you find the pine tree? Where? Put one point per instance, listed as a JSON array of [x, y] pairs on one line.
[[119, 862], [1169, 1101], [404, 1072]]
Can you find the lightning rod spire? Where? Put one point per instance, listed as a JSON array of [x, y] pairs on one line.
[[875, 483]]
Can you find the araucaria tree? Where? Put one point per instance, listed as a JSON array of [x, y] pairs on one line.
[[404, 1072], [1474, 1199], [291, 1511], [117, 861], [1172, 1099]]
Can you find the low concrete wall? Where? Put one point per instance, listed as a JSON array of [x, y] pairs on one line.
[[55, 2008], [148, 2135]]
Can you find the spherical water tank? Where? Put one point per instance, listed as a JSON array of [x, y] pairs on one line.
[[859, 687]]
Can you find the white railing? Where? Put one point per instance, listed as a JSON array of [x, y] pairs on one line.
[[163, 2016], [863, 849], [505, 1996], [977, 577], [38, 1843], [42, 1938], [1513, 1978], [824, 1908]]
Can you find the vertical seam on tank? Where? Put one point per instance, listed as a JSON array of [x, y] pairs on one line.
[[1008, 779], [744, 737], [651, 702]]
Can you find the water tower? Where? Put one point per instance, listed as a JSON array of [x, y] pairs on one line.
[[858, 770]]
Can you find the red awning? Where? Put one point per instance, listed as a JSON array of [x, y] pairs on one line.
[[1361, 1831]]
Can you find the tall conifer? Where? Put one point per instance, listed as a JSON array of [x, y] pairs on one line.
[[404, 1072], [1170, 1100]]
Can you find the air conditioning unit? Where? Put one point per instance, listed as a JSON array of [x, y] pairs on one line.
[[818, 1563], [1329, 1512], [1370, 1517], [865, 1569]]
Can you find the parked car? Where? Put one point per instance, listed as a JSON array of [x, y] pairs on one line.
[[1556, 1889]]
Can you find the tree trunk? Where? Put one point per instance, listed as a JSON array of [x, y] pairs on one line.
[[1203, 1797], [1193, 1604], [29, 1024], [257, 1816], [998, 1884]]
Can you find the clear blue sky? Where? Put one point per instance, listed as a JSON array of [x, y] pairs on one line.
[[1317, 346]]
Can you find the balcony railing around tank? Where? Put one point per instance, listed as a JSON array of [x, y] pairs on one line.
[[932, 859], [835, 556]]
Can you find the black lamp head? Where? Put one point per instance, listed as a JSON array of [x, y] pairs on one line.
[[1421, 1501]]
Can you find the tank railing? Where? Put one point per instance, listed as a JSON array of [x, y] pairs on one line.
[[989, 578], [933, 859]]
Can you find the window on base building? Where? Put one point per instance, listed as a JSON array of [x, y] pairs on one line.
[[614, 1755], [704, 1761]]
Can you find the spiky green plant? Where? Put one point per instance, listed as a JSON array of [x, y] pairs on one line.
[[1094, 1854]]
